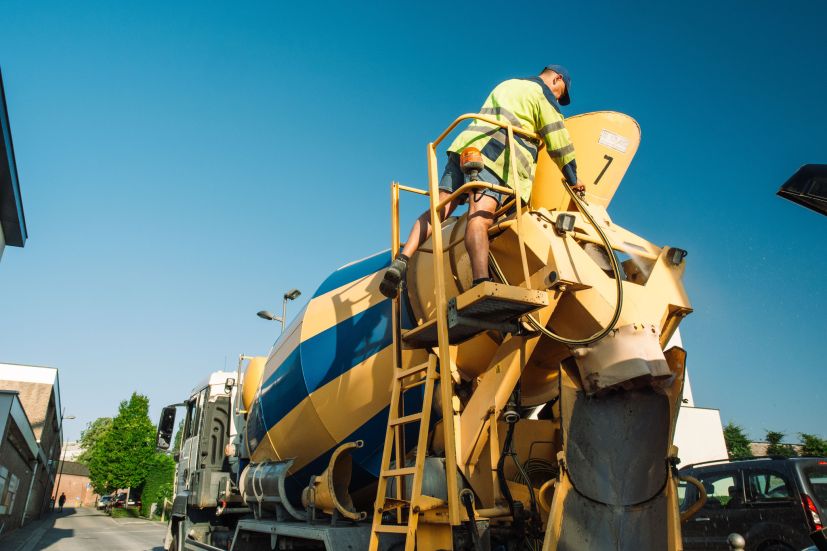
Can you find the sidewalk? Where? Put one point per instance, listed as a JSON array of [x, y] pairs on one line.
[[27, 537]]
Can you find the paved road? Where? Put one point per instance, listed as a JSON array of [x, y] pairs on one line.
[[90, 530]]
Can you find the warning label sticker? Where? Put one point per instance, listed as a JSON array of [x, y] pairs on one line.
[[615, 141]]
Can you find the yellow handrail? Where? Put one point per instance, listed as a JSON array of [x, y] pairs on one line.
[[411, 189], [441, 313], [489, 120], [436, 206], [511, 130], [465, 188]]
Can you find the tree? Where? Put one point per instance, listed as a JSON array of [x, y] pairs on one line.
[[775, 446], [737, 443], [122, 458], [91, 435], [812, 445]]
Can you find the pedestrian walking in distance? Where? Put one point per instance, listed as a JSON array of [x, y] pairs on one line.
[[61, 501]]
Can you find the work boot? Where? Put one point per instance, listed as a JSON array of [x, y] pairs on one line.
[[394, 276]]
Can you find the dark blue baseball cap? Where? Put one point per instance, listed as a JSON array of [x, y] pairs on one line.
[[563, 72]]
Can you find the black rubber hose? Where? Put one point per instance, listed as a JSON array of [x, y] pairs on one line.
[[509, 435], [467, 497], [530, 486], [615, 265]]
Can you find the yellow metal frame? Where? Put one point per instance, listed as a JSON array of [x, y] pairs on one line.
[[443, 348], [441, 312], [466, 435]]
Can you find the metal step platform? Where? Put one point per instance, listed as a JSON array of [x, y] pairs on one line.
[[488, 306]]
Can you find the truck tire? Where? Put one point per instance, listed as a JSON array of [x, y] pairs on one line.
[[173, 544]]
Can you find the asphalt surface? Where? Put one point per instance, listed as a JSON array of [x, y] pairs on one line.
[[90, 530]]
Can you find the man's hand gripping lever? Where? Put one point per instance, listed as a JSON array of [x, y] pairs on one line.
[[579, 188]]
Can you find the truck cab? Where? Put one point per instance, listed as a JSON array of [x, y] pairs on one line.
[[207, 466]]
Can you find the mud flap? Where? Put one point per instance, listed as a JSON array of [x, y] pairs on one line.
[[592, 526]]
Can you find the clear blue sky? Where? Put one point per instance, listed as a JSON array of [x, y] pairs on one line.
[[182, 166]]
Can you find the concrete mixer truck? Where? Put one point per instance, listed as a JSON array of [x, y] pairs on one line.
[[535, 411]]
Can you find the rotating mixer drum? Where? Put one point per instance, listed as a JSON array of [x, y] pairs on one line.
[[328, 379]]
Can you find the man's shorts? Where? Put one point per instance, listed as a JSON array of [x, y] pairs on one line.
[[453, 178]]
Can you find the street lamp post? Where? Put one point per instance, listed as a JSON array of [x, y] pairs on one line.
[[61, 456], [292, 294]]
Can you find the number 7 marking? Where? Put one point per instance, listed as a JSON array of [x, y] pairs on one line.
[[609, 160]]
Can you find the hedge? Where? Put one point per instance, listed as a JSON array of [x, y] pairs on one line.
[[158, 485]]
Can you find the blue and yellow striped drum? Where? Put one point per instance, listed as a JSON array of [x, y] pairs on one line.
[[328, 378]]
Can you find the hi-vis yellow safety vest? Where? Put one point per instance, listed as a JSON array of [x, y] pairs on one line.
[[529, 104]]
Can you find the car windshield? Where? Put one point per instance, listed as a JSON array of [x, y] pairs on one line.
[[817, 477]]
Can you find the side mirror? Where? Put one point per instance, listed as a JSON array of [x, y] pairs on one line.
[[808, 188], [165, 428]]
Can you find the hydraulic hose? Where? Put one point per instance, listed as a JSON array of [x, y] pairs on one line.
[[508, 451], [467, 498], [501, 463], [615, 270]]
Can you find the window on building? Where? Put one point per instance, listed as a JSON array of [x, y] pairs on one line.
[[11, 493], [8, 491], [4, 484]]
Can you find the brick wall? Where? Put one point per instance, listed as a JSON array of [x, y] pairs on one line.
[[78, 490], [36, 399]]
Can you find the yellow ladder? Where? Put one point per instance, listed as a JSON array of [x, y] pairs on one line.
[[393, 468], [408, 510]]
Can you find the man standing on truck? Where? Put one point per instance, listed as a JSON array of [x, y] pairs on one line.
[[529, 103]]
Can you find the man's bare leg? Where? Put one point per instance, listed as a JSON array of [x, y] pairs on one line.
[[421, 230], [422, 227], [480, 218]]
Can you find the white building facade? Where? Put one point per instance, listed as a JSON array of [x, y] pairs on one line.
[[699, 434]]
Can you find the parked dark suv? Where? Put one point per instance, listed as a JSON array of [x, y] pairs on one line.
[[775, 503]]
